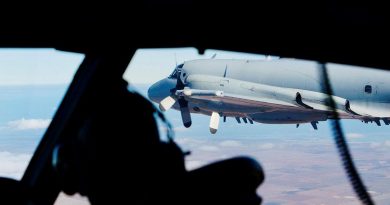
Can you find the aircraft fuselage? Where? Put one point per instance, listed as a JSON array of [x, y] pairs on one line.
[[280, 91]]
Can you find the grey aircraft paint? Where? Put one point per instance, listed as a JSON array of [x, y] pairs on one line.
[[283, 91]]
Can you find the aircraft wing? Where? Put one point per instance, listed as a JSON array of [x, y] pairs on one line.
[[282, 99], [292, 100]]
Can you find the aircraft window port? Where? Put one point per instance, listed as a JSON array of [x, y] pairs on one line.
[[173, 74], [368, 89]]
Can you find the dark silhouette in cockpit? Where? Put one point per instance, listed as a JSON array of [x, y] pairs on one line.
[[119, 157]]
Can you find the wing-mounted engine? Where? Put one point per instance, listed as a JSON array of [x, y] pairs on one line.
[[169, 101], [298, 99], [318, 101]]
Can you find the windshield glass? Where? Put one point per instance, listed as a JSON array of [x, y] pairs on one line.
[[173, 74], [299, 157], [32, 85]]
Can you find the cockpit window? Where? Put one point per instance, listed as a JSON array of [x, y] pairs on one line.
[[32, 85], [174, 73], [292, 155], [180, 66]]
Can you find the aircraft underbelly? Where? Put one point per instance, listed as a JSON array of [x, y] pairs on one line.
[[234, 105], [272, 104], [257, 111]]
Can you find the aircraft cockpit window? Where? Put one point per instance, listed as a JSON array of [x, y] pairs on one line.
[[251, 115], [32, 85], [368, 89], [180, 66], [174, 73]]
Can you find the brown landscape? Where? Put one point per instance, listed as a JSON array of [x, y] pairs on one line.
[[307, 172], [297, 171]]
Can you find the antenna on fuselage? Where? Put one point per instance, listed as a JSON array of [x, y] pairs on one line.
[[212, 57]]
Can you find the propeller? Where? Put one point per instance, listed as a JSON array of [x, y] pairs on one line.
[[169, 101]]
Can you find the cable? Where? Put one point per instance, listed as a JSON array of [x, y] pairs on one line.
[[341, 144]]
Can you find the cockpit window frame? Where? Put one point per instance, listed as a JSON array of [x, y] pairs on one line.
[[173, 75]]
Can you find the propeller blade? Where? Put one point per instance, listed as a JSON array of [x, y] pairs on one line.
[[185, 113], [314, 124], [214, 122], [167, 103]]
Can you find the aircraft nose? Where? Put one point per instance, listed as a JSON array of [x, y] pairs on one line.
[[160, 90]]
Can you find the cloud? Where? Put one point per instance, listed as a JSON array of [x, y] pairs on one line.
[[209, 148], [75, 199], [375, 144], [28, 124], [349, 197], [354, 135], [372, 192], [266, 146], [13, 165], [384, 144], [230, 143], [180, 129], [188, 141]]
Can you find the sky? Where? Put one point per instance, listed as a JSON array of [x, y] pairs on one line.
[[37, 66], [301, 165], [150, 65]]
